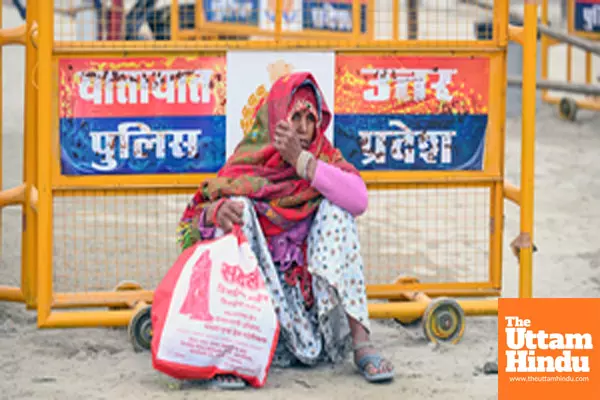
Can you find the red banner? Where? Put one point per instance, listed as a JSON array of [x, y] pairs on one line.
[[411, 85], [148, 86]]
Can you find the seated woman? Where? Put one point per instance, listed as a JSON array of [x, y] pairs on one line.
[[296, 198]]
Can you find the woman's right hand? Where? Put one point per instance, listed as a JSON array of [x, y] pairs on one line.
[[229, 213]]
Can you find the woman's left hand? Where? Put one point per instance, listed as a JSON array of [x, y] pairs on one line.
[[287, 142]]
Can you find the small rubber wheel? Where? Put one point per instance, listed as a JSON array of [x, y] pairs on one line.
[[444, 321], [567, 109], [140, 329]]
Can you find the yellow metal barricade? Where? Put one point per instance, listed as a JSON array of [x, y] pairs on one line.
[[581, 67], [104, 240], [24, 195]]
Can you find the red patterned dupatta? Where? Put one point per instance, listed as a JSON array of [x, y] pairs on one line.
[[256, 169]]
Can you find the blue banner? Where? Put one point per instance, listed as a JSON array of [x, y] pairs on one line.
[[146, 145], [332, 17], [587, 16], [231, 11], [412, 142]]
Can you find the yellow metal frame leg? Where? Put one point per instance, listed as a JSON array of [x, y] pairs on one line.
[[528, 147]]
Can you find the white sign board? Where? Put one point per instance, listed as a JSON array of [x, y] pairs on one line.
[[251, 74]]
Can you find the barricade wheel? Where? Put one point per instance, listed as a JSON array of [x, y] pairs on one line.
[[140, 329], [567, 109], [444, 321]]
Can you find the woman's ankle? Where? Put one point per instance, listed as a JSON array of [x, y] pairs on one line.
[[358, 332]]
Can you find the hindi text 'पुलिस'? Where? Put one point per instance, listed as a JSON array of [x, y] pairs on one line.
[[104, 144]]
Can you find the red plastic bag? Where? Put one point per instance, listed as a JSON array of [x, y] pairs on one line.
[[212, 314]]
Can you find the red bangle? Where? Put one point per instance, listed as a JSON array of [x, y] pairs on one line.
[[213, 216]]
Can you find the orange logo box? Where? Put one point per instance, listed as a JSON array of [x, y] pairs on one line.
[[549, 349]]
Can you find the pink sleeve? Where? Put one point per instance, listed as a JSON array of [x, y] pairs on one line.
[[336, 185]]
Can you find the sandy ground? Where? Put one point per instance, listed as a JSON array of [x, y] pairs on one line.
[[100, 364]]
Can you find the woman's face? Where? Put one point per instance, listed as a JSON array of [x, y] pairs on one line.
[[304, 125]]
